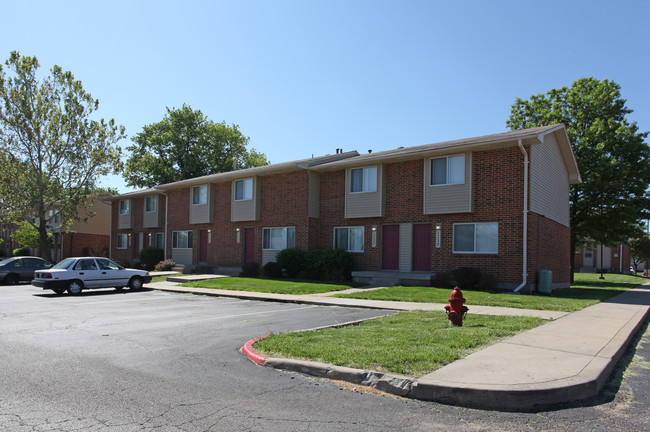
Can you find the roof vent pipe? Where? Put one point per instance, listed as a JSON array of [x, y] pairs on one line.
[[525, 216]]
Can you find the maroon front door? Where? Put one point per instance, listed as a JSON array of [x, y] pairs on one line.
[[249, 245], [422, 247], [203, 246], [146, 240], [390, 247]]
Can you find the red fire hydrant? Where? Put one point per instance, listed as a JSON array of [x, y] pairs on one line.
[[455, 309]]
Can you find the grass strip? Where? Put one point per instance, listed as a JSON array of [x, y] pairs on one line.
[[162, 278], [281, 286], [587, 290], [406, 343]]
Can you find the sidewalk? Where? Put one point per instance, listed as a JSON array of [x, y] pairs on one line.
[[567, 359]]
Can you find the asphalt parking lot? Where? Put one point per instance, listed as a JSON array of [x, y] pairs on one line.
[[150, 360]]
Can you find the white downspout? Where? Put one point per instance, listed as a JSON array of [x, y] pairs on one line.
[[524, 281], [620, 257], [166, 218]]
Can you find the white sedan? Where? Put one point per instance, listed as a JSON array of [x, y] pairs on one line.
[[77, 274]]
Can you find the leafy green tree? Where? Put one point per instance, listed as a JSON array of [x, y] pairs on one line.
[[612, 155], [184, 145], [27, 235], [52, 149]]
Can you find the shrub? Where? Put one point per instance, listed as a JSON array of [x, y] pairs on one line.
[[166, 265], [466, 277], [273, 270], [291, 260], [251, 269], [488, 282], [23, 251], [150, 256], [330, 264], [442, 280]]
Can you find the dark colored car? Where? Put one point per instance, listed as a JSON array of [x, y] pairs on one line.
[[16, 269]]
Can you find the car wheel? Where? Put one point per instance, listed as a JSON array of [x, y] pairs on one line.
[[12, 279], [135, 283], [58, 290], [75, 287]]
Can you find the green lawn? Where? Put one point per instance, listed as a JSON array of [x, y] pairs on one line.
[[588, 289], [407, 343], [282, 286], [162, 278]]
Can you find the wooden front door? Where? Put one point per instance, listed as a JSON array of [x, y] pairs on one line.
[[203, 246], [249, 245], [390, 247], [422, 247]]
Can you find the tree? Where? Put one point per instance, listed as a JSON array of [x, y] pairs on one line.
[[53, 151], [612, 156], [184, 145], [28, 236]]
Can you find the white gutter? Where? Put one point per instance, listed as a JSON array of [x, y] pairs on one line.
[[524, 275]]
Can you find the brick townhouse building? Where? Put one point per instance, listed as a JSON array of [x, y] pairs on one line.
[[499, 203]]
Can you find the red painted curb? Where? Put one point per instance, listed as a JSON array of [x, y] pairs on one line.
[[249, 352]]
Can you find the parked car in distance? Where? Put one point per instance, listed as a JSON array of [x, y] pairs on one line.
[[16, 269], [77, 274]]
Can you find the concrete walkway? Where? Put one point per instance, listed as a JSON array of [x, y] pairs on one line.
[[568, 359]]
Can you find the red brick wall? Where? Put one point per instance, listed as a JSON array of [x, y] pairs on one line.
[[550, 250], [79, 244], [283, 202]]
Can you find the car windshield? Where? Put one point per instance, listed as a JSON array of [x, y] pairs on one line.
[[64, 264]]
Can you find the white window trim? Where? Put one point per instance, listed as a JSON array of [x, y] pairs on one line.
[[252, 183], [128, 207], [155, 200], [285, 240], [125, 243], [363, 176], [183, 248], [447, 160], [155, 237], [453, 240], [363, 236], [207, 195]]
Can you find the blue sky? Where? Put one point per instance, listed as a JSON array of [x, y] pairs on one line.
[[303, 78]]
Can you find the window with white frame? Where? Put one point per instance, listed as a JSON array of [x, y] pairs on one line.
[[448, 170], [151, 204], [182, 240], [122, 241], [278, 238], [244, 189], [363, 179], [349, 238], [159, 241], [125, 207], [476, 237], [200, 195]]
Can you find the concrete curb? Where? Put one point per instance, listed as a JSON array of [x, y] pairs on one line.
[[512, 397]]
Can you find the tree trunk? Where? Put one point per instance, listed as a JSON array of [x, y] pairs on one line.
[[44, 244]]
